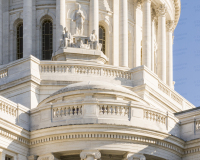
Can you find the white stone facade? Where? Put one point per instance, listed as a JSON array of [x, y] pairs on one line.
[[86, 104]]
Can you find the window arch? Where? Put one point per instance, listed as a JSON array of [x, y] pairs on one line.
[[20, 41], [102, 38], [47, 39]]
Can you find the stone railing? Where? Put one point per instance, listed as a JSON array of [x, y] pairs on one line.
[[155, 116], [114, 110], [67, 111], [3, 73], [11, 112], [106, 71], [173, 94]]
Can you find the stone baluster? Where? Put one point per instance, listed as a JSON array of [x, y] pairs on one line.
[[124, 33], [27, 27], [94, 17], [1, 32], [162, 42], [146, 33], [60, 21], [90, 155], [170, 28]]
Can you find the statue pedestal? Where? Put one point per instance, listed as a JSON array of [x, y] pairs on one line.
[[80, 54]]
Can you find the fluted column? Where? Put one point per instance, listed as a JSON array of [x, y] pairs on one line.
[[162, 42], [115, 57], [94, 17], [124, 33], [27, 28], [153, 41], [146, 33], [134, 156], [90, 155], [60, 21], [1, 32], [137, 34], [170, 28]]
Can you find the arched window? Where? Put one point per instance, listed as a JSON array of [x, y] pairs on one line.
[[47, 40], [20, 41], [102, 38]]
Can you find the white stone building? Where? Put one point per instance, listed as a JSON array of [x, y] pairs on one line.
[[92, 80]]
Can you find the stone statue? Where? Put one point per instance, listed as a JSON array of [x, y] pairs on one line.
[[66, 40], [79, 18], [93, 40]]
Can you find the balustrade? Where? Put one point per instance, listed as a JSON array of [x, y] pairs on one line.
[[155, 116]]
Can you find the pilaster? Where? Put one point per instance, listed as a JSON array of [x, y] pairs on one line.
[[2, 155], [60, 21], [161, 12], [170, 29], [27, 27], [90, 155], [1, 31]]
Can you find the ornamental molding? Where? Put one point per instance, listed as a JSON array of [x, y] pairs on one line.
[[107, 136], [95, 153], [161, 10], [146, 1], [131, 156], [170, 26], [47, 157]]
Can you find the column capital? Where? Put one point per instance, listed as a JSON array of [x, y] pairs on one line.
[[134, 156], [32, 157], [94, 153], [170, 25], [161, 10], [147, 1], [47, 157]]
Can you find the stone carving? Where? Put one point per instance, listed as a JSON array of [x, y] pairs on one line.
[[47, 157], [66, 40], [94, 41], [170, 26], [132, 156], [161, 10], [95, 153], [198, 125], [79, 18]]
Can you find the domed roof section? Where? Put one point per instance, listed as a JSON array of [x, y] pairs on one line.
[[92, 85], [77, 92]]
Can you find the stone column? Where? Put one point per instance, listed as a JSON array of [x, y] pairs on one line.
[[1, 32], [115, 57], [90, 155], [146, 33], [170, 28], [94, 17], [60, 21], [137, 34], [133, 156], [153, 41], [2, 155], [27, 28], [162, 42], [124, 33]]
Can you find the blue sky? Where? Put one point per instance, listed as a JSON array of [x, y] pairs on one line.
[[187, 52]]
